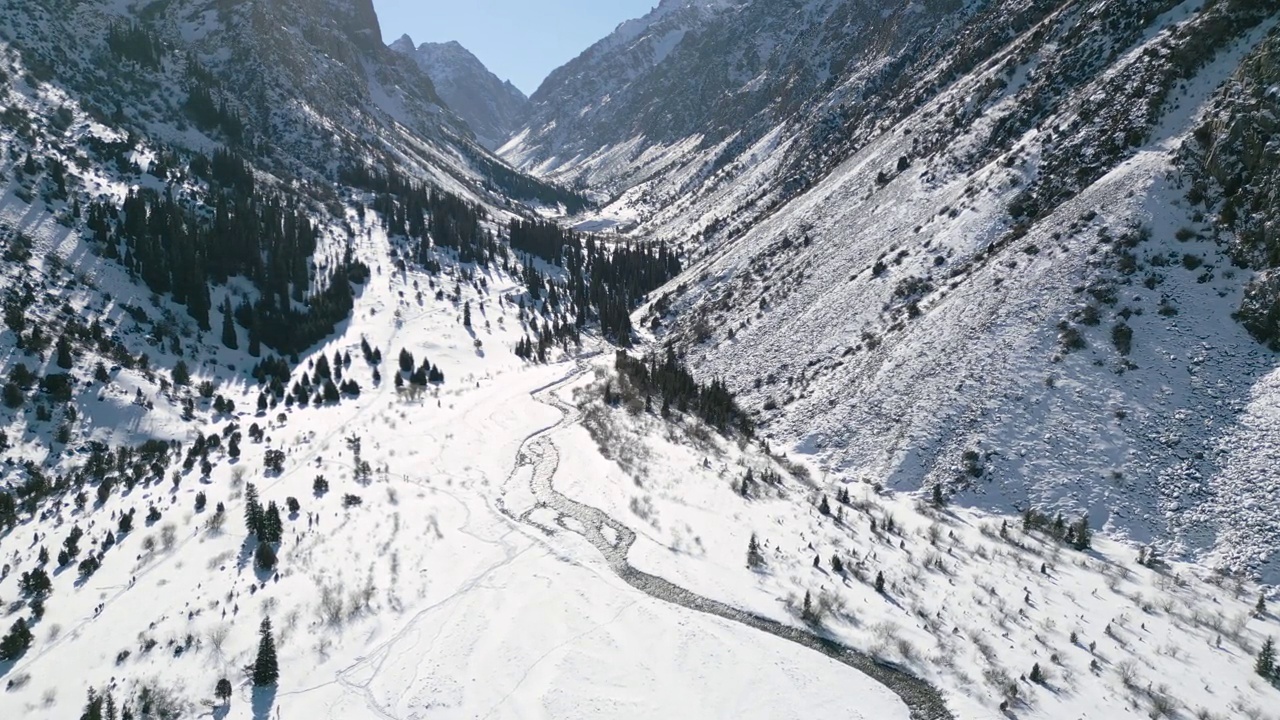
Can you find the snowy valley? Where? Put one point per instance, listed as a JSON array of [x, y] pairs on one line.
[[798, 375]]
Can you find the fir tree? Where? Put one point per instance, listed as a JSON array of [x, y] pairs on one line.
[[93, 707], [1261, 607], [824, 507], [880, 582], [272, 529], [64, 353], [1266, 664], [252, 510], [222, 691], [228, 326], [181, 374], [1081, 535], [466, 314], [938, 499], [755, 558], [266, 670], [1037, 676]]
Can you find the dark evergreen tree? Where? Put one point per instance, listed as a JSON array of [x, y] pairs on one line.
[[1081, 535], [252, 510], [1261, 607], [266, 670], [320, 486], [13, 396], [64, 353], [93, 708], [36, 583], [880, 582], [16, 642], [222, 691], [938, 499], [181, 374], [406, 361], [272, 529], [228, 326], [1037, 675], [1266, 663]]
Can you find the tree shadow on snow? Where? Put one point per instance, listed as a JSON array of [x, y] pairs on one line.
[[263, 699]]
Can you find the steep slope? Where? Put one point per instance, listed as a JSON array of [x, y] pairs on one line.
[[494, 109], [1009, 294], [689, 90]]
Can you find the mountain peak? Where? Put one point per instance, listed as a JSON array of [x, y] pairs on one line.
[[493, 108], [404, 44]]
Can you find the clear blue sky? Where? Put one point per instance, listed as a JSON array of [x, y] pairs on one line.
[[520, 40]]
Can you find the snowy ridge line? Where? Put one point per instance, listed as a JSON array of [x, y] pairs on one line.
[[922, 699]]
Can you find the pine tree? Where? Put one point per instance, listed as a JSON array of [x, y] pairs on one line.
[[272, 527], [1266, 664], [938, 499], [1261, 607], [266, 670], [880, 582], [228, 326], [93, 707], [222, 690], [466, 314], [824, 507], [1082, 536], [181, 374], [1037, 676], [406, 361], [64, 353], [252, 510], [755, 558]]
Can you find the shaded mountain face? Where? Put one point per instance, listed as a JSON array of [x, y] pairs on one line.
[[494, 109], [253, 128]]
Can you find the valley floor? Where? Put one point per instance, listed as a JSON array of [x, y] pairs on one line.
[[436, 585]]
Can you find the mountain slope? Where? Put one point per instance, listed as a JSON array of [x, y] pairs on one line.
[[492, 108], [1008, 293]]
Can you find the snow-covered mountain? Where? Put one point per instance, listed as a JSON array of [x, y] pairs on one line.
[[958, 395], [1020, 269], [494, 109]]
